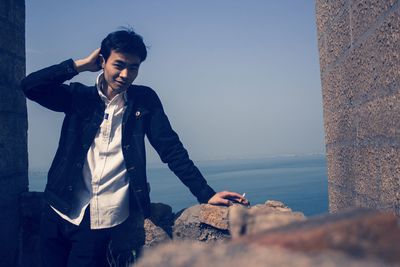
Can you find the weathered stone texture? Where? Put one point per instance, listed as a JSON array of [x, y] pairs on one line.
[[390, 177], [366, 171], [358, 233], [359, 46], [379, 119], [12, 38], [188, 254], [351, 238], [340, 164], [12, 71], [13, 141], [328, 11], [11, 103], [260, 218], [340, 197], [340, 127], [190, 225], [215, 216], [13, 125], [339, 38], [365, 13], [329, 14]]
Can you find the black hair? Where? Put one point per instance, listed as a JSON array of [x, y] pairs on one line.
[[124, 41]]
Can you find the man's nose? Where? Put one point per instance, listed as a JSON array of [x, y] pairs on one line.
[[124, 74]]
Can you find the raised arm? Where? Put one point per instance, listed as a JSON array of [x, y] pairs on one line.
[[46, 86]]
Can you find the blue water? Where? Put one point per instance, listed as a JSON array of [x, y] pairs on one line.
[[298, 181]]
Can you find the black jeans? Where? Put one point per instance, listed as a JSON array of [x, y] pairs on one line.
[[65, 244]]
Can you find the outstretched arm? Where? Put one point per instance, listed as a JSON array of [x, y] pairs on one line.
[[166, 142]]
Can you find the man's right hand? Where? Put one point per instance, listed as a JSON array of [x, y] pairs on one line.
[[90, 63]]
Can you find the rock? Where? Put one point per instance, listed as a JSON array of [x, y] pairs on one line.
[[189, 254], [154, 234], [358, 233], [158, 228], [190, 226], [216, 216], [277, 205], [260, 218], [237, 220], [353, 238]]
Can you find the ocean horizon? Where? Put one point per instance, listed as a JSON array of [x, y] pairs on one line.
[[299, 181]]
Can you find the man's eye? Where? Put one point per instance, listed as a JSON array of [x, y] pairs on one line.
[[118, 66]]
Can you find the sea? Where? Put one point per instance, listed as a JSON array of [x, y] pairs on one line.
[[299, 181]]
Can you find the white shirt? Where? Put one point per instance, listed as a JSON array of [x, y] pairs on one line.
[[105, 184]]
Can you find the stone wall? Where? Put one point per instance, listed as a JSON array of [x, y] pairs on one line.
[[359, 47], [13, 126]]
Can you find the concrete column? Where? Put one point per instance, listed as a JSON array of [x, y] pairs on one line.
[[13, 127], [359, 47]]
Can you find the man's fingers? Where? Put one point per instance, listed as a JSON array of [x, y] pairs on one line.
[[226, 198], [231, 194], [95, 53], [225, 202], [234, 197]]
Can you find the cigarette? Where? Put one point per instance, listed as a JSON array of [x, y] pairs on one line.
[[240, 200]]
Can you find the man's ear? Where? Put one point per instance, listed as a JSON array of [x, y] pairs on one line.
[[101, 61]]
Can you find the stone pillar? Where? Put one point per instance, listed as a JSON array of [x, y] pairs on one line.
[[359, 48], [13, 127]]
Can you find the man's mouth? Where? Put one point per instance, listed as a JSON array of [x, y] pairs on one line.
[[121, 83]]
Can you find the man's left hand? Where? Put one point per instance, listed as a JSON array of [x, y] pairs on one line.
[[227, 198]]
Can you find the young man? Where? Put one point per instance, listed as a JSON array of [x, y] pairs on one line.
[[97, 186]]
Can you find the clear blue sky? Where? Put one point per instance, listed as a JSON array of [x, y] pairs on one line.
[[238, 79]]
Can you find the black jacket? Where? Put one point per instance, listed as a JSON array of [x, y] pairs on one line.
[[84, 111]]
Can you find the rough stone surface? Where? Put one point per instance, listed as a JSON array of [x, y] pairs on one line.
[[259, 218], [187, 254], [154, 234], [215, 216], [274, 235], [366, 13], [358, 233], [158, 228], [352, 238], [328, 12], [189, 226], [13, 125], [339, 37], [359, 47]]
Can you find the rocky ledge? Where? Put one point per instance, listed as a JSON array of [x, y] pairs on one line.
[[270, 234]]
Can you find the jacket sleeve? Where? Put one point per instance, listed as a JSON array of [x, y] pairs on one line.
[[171, 151], [46, 86]]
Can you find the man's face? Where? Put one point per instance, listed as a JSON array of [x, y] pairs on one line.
[[120, 70]]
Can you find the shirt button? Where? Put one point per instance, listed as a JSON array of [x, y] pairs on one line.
[[70, 188], [79, 165]]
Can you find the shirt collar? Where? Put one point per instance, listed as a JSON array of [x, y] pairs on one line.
[[100, 83]]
